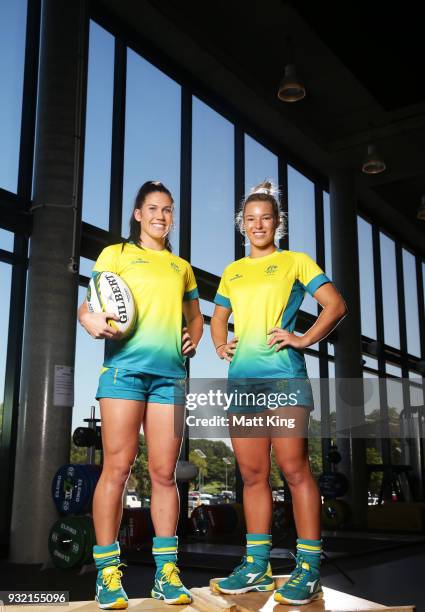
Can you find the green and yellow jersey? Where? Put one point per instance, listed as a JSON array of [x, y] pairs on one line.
[[267, 292], [159, 281]]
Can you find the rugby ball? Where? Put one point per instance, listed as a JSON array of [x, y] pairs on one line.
[[109, 293]]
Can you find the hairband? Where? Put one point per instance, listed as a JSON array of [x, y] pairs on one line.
[[262, 190]]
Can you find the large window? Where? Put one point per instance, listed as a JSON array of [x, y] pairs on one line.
[[367, 283], [213, 229], [327, 230], [5, 280], [6, 240], [302, 222], [260, 165], [152, 136], [411, 304], [13, 17], [423, 283], [315, 428], [88, 362], [97, 155], [389, 291]]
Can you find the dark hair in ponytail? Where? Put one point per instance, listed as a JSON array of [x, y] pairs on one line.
[[145, 190]]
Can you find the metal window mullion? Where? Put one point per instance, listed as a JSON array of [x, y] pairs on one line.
[[283, 188], [379, 314], [323, 350], [404, 357], [421, 307], [239, 244], [239, 185], [29, 101], [118, 136], [185, 173], [185, 243], [421, 303], [11, 387], [401, 309]]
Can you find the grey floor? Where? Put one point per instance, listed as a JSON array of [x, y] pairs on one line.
[[391, 577]]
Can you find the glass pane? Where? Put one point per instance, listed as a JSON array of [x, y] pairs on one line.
[[207, 308], [88, 362], [302, 222], [393, 370], [215, 474], [97, 154], [416, 389], [152, 136], [86, 266], [260, 165], [213, 234], [332, 395], [423, 282], [371, 396], [394, 390], [6, 240], [327, 227], [13, 17], [206, 364], [5, 280], [367, 283], [389, 291], [315, 443], [396, 415], [411, 304], [370, 362]]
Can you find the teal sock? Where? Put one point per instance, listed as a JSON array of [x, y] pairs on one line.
[[258, 546], [311, 551], [104, 556], [164, 550]]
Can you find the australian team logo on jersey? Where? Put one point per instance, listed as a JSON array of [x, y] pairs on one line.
[[236, 277], [175, 267], [271, 270]]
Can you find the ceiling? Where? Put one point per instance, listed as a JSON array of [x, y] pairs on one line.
[[362, 65]]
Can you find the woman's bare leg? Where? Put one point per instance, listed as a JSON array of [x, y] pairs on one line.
[[121, 422], [253, 456], [163, 453], [292, 457]]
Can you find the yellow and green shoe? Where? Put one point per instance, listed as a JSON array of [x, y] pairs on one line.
[[302, 587], [109, 592], [169, 587], [248, 576]]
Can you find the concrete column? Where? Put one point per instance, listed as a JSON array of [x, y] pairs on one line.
[[44, 427], [348, 353]]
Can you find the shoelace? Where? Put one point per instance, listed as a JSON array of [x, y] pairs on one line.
[[112, 579], [239, 567], [299, 572], [170, 572]]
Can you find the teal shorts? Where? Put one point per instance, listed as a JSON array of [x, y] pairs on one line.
[[116, 383], [256, 394]]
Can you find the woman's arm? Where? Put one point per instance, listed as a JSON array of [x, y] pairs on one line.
[[334, 310], [192, 333], [95, 323], [219, 329]]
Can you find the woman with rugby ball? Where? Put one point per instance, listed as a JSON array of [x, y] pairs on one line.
[[142, 383], [265, 291]]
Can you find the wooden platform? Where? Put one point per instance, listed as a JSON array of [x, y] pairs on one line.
[[206, 601]]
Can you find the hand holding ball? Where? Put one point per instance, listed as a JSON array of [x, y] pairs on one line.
[[108, 293]]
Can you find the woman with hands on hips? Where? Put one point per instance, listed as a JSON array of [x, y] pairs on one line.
[[265, 291]]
